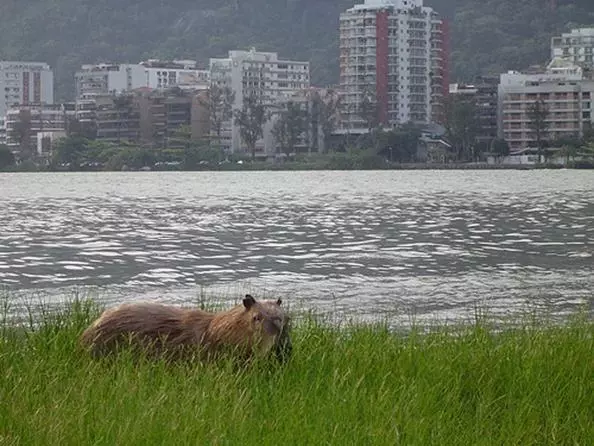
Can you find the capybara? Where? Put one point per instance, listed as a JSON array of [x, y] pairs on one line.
[[253, 328]]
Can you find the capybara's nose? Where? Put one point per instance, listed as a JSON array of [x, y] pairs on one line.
[[274, 325]]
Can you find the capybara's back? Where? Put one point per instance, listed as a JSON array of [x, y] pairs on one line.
[[150, 326], [252, 328]]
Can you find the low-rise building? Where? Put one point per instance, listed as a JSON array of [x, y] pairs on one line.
[[165, 114], [150, 117], [25, 123], [563, 90], [109, 118]]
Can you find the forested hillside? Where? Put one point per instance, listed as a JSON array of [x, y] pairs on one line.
[[488, 36]]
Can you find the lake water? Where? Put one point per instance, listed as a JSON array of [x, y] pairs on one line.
[[400, 245]]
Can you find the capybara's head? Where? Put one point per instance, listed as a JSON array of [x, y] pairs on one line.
[[270, 324]]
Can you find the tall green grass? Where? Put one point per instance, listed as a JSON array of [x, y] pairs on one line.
[[352, 384]]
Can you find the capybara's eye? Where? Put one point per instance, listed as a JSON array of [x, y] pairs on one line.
[[257, 317]]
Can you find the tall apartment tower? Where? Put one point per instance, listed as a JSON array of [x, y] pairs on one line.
[[392, 52], [25, 83], [271, 79]]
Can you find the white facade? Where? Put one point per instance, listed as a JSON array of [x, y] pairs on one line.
[[46, 141], [391, 51], [576, 46], [104, 79], [250, 72], [567, 96], [181, 73], [25, 83]]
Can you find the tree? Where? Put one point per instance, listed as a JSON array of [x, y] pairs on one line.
[[180, 138], [280, 133], [290, 126], [21, 134], [71, 152], [368, 109], [324, 115], [588, 133], [251, 119], [500, 148], [6, 157], [399, 144], [75, 151], [461, 125], [219, 104], [569, 147], [537, 114]]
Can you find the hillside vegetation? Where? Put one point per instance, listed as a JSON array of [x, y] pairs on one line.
[[488, 36]]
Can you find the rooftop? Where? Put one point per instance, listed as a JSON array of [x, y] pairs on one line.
[[174, 64], [381, 4], [576, 32]]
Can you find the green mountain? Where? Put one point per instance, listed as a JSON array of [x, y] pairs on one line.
[[488, 36]]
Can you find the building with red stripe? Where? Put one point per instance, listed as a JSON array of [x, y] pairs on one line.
[[393, 54], [24, 83]]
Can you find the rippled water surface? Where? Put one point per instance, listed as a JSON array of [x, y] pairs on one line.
[[433, 244]]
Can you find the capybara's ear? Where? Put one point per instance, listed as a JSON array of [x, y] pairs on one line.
[[248, 301], [279, 301]]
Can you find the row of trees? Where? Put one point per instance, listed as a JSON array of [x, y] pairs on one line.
[[292, 120], [463, 130]]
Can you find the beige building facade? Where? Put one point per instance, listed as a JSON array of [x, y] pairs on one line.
[[567, 96]]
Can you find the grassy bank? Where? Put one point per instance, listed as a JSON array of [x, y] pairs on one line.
[[344, 385]]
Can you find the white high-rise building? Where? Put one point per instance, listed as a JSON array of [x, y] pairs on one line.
[[251, 72], [393, 53], [24, 83], [576, 46]]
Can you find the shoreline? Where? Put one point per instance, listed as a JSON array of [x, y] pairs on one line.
[[289, 167]]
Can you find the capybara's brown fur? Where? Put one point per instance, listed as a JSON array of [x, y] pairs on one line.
[[254, 328]]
